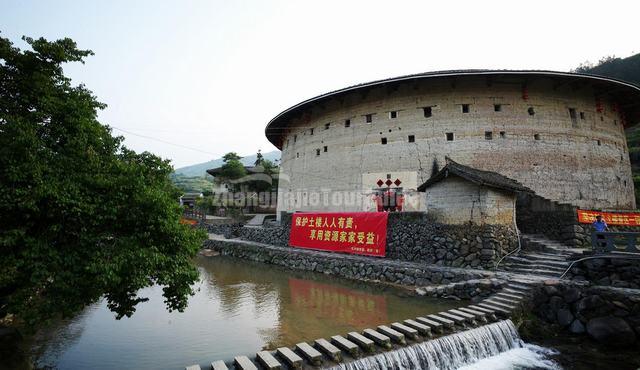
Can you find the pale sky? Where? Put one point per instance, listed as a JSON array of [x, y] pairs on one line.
[[209, 75]]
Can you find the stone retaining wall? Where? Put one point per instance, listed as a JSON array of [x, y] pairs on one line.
[[411, 236], [474, 290], [351, 266], [537, 215], [609, 315], [621, 273]]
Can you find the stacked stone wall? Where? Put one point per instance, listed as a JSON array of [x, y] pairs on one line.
[[416, 237], [609, 315], [411, 236], [537, 215], [616, 272], [363, 268]]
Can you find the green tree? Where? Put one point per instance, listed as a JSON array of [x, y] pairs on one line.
[[231, 170], [82, 216], [259, 159], [231, 156]]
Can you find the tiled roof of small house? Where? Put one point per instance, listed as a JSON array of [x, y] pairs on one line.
[[250, 169], [480, 177]]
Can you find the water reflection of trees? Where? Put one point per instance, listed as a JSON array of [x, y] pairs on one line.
[[50, 343]]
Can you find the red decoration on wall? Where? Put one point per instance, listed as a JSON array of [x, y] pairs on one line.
[[388, 182], [599, 106], [525, 93], [380, 182], [397, 182]]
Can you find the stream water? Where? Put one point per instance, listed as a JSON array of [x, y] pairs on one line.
[[493, 346], [239, 308]]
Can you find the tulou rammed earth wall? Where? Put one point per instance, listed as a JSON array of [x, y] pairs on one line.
[[564, 143]]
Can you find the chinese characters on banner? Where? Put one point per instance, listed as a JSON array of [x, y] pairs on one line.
[[353, 232], [611, 218]]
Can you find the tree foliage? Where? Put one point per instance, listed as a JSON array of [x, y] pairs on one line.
[[82, 216], [626, 69], [231, 156], [231, 170]]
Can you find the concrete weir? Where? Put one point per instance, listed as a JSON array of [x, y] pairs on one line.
[[480, 321]]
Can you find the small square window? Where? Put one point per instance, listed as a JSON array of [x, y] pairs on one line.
[[295, 138], [311, 132], [601, 119], [531, 111], [572, 114], [582, 116], [297, 155], [388, 176], [347, 123], [368, 118], [536, 136], [497, 107], [324, 149], [393, 114], [488, 135], [383, 141], [317, 151], [412, 138], [465, 108], [503, 134], [449, 136], [615, 122], [599, 142], [327, 125], [427, 112]]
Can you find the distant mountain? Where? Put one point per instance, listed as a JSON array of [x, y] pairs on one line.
[[626, 69], [201, 168]]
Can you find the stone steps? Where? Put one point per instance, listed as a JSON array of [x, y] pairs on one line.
[[526, 259], [551, 261], [536, 266], [541, 257], [536, 272], [519, 287], [499, 311], [510, 296]]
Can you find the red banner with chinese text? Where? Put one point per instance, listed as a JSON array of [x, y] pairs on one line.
[[348, 232], [611, 218]]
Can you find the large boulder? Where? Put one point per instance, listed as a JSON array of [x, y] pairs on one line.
[[611, 331], [571, 294], [576, 327], [564, 317]]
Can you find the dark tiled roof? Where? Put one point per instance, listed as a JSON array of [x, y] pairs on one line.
[[250, 169], [480, 177]]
